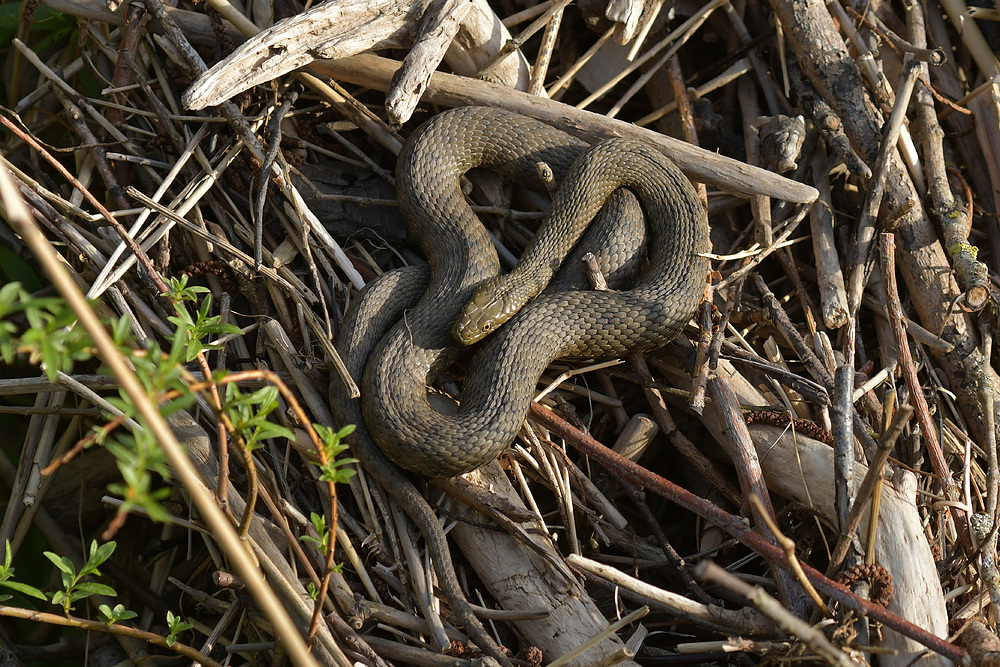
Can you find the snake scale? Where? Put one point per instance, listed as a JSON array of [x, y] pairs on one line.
[[398, 333]]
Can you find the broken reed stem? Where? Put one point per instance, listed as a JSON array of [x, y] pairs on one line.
[[735, 71], [781, 320], [681, 32], [841, 421], [574, 69], [774, 105], [719, 619], [719, 334], [829, 271], [760, 207], [696, 402], [658, 66]]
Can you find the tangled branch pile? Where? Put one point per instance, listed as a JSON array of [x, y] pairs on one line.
[[847, 156]]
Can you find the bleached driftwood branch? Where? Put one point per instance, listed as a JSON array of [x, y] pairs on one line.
[[343, 28]]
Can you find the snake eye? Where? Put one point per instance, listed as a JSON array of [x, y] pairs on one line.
[[488, 325]]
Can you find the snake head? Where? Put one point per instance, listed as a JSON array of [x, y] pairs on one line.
[[486, 310]]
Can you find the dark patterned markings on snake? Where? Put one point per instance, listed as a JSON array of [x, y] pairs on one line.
[[579, 323]]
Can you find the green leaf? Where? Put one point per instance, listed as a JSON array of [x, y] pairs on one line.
[[107, 613], [337, 475], [9, 295], [217, 326], [94, 588], [61, 562], [99, 554], [269, 430], [24, 589], [194, 348]]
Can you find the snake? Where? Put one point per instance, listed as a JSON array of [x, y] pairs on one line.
[[401, 331], [579, 323]]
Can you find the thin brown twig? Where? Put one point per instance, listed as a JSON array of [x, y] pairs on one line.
[[188, 652], [788, 546], [741, 450], [813, 637], [736, 527], [928, 429], [140, 255]]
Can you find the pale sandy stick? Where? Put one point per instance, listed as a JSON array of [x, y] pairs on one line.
[[541, 67], [518, 578], [575, 68], [720, 620], [684, 29], [450, 90]]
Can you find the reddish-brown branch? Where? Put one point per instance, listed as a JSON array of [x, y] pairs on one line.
[[736, 527]]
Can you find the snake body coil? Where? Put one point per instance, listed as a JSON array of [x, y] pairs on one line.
[[579, 323]]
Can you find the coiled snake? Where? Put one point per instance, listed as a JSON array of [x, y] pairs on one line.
[[398, 365]]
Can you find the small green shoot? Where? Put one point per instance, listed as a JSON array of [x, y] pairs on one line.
[[322, 543], [331, 441], [176, 626], [193, 330], [249, 413], [74, 586], [111, 616], [6, 576]]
